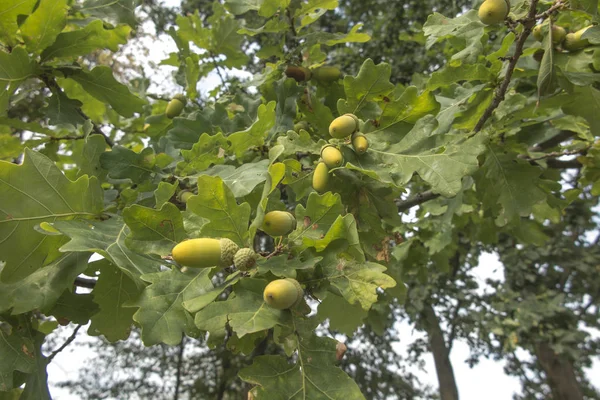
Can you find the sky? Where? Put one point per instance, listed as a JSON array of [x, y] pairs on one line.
[[486, 380]]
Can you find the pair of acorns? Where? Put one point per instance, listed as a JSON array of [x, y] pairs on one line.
[[211, 252], [324, 74], [331, 156], [570, 41]]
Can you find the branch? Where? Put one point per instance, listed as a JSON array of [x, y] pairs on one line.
[[553, 141], [218, 69], [452, 334], [85, 283], [557, 6], [420, 198], [53, 86], [528, 24], [65, 344], [556, 154]]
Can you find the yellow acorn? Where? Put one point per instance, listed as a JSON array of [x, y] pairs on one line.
[[278, 223], [558, 34], [332, 156], [320, 177], [493, 12], [360, 143], [205, 252], [343, 126], [175, 106], [184, 196], [283, 293]]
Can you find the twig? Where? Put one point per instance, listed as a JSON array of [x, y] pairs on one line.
[[292, 26], [553, 141], [53, 86], [56, 139], [563, 164], [528, 24], [419, 198], [65, 344], [85, 283], [555, 7], [218, 69]]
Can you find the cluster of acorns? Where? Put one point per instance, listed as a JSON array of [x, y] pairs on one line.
[[331, 156], [324, 74], [210, 252], [569, 41]]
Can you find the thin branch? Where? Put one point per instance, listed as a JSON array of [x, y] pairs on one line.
[[528, 24], [292, 25], [557, 6], [419, 198], [65, 344], [55, 88], [563, 164], [218, 69], [85, 283], [452, 334], [179, 365], [56, 139]]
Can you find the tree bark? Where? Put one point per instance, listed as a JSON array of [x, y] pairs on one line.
[[559, 372], [441, 355]]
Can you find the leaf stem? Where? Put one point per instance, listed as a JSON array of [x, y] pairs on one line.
[[65, 344]]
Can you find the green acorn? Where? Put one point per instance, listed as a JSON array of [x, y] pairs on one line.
[[175, 106]]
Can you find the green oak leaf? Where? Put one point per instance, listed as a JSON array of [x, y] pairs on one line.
[[241, 180], [440, 160], [319, 215], [209, 150], [343, 316], [107, 238], [101, 84], [286, 267], [164, 192], [18, 354], [314, 376], [509, 182], [216, 202], [372, 83], [275, 175], [34, 192], [257, 133], [41, 28], [41, 289], [62, 110], [123, 163], [160, 310], [245, 311], [154, 231], [84, 41], [343, 228], [198, 303], [86, 154], [15, 67], [313, 10], [466, 32], [297, 178], [112, 291], [293, 143], [9, 11], [357, 281], [76, 308], [118, 11]]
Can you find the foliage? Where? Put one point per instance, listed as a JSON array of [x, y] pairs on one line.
[[478, 144]]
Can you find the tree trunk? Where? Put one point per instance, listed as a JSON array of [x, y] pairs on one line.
[[441, 355], [559, 372]]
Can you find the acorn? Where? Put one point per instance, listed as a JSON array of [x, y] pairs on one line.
[[244, 259], [205, 252], [360, 143], [343, 126], [326, 74], [278, 223], [320, 177], [175, 106], [184, 196], [332, 156], [283, 293], [300, 74]]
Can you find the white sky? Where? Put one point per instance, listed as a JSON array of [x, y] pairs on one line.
[[486, 380]]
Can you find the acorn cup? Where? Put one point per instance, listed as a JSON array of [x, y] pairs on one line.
[[205, 252]]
